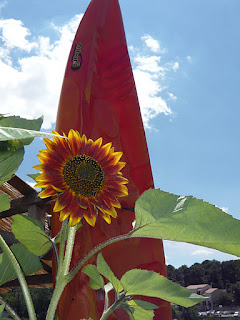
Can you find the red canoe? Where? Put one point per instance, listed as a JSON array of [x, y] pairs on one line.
[[99, 99]]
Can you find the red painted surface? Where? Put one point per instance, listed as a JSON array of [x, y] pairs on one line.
[[99, 99]]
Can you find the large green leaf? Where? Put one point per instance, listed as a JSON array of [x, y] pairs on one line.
[[17, 122], [105, 270], [29, 231], [10, 160], [4, 202], [140, 310], [21, 134], [152, 284], [29, 263], [96, 280], [163, 215]]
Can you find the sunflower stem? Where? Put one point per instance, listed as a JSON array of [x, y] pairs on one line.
[[55, 251], [96, 249], [114, 306], [21, 278], [62, 243], [62, 279]]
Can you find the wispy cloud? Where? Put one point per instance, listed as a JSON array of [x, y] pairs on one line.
[[172, 96], [153, 44], [2, 4], [202, 252], [180, 253], [151, 78]]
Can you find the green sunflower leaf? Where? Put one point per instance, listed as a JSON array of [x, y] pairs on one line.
[[105, 270], [10, 160], [4, 202], [22, 134], [160, 214], [15, 122], [140, 310], [142, 304], [29, 232], [33, 175], [29, 263], [151, 284], [96, 280], [2, 306]]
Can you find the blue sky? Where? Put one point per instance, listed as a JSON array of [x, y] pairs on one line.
[[185, 57]]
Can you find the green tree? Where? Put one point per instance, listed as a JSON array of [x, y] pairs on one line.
[[225, 299], [235, 288]]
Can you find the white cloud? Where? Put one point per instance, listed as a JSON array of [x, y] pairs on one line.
[[203, 252], [175, 66], [153, 44], [31, 86], [180, 253], [148, 89], [14, 35], [151, 80], [172, 96], [150, 64]]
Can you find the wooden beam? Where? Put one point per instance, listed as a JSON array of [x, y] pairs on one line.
[[21, 205], [31, 280], [21, 185]]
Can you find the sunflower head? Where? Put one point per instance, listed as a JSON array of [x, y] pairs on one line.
[[84, 174]]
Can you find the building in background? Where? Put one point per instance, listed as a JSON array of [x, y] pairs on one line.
[[205, 290]]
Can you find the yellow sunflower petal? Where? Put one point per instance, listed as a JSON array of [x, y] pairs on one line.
[[107, 147], [91, 219], [73, 135], [41, 159], [49, 143], [74, 220], [41, 177], [116, 204], [48, 192], [121, 165], [124, 191], [84, 138], [57, 189], [117, 156], [63, 215], [58, 206], [112, 212], [98, 143], [41, 185], [38, 167], [106, 217], [124, 180]]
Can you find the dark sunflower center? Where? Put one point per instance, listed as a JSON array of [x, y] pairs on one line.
[[83, 175]]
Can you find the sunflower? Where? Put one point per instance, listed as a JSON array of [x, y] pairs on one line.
[[84, 174]]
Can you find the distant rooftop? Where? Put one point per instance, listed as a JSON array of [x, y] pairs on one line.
[[196, 286], [210, 290]]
